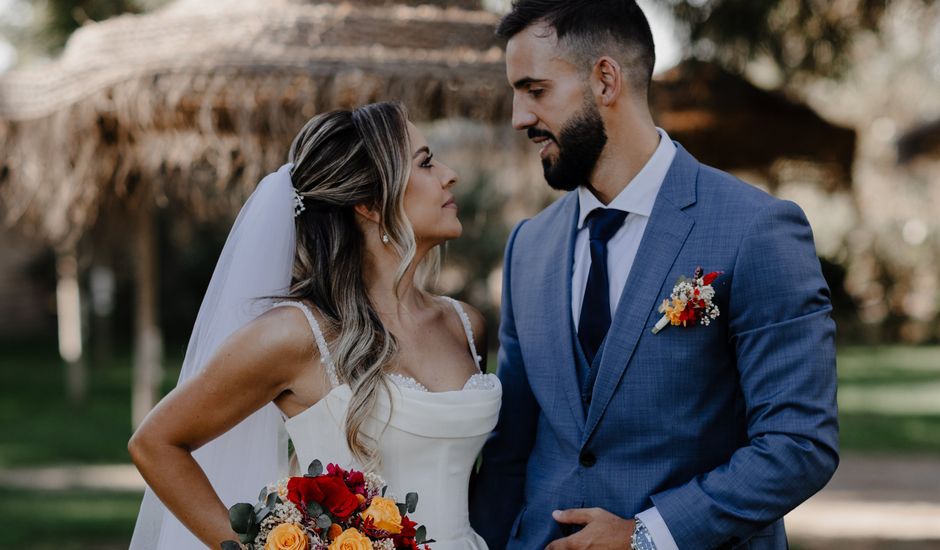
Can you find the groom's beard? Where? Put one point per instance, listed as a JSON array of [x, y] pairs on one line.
[[580, 144]]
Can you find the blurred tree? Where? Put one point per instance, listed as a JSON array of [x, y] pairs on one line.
[[57, 19], [40, 28], [800, 38]]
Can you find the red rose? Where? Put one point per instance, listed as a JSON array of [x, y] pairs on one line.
[[327, 491], [710, 278], [356, 481]]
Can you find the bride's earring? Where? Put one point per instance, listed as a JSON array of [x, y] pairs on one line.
[[385, 239]]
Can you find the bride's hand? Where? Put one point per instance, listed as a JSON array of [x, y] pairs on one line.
[[252, 368]]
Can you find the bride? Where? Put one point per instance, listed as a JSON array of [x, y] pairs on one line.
[[317, 326]]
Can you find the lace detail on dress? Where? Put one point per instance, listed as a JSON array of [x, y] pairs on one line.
[[468, 329], [481, 381], [407, 382], [325, 356], [478, 381]]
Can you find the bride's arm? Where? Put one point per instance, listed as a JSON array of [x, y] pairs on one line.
[[253, 367]]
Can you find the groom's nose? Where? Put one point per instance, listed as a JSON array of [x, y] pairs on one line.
[[522, 117]]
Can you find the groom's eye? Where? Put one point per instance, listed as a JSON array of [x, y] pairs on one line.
[[536, 92]]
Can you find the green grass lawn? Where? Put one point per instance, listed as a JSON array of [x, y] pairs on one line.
[[40, 428], [67, 520]]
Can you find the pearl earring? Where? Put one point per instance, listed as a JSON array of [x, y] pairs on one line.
[[385, 238]]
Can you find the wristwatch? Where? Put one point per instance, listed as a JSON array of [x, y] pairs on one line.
[[642, 540]]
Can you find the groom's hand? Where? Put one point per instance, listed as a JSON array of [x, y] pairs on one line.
[[601, 530]]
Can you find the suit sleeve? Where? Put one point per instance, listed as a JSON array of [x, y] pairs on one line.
[[497, 489], [783, 337]]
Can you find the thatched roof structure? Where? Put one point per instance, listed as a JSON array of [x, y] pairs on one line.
[[922, 141], [729, 123], [195, 102]]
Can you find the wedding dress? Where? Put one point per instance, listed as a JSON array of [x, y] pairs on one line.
[[429, 445]]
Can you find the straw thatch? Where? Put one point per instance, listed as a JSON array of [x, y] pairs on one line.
[[194, 103], [730, 123], [921, 142]]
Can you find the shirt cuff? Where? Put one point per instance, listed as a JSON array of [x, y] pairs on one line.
[[654, 523]]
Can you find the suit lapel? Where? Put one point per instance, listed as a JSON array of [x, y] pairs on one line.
[[557, 301], [665, 233]]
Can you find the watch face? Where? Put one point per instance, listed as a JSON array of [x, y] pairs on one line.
[[642, 539]]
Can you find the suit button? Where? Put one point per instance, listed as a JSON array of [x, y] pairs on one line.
[[587, 459]]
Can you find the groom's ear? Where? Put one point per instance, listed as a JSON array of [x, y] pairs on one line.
[[607, 81]]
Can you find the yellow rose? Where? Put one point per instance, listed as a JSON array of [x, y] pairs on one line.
[[351, 539], [286, 536], [385, 515]]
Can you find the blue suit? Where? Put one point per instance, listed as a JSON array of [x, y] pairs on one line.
[[724, 428]]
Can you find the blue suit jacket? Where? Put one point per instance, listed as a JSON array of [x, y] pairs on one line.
[[724, 428]]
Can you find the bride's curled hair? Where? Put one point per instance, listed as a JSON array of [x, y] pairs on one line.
[[342, 159]]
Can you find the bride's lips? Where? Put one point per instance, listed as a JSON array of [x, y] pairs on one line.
[[451, 203]]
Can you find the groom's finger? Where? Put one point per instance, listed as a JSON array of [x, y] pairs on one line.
[[578, 516]]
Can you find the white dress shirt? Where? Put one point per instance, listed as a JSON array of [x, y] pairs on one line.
[[637, 199]]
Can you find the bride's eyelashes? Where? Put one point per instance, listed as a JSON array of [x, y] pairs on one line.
[[427, 162]]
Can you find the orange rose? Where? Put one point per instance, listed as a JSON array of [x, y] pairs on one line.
[[385, 515], [351, 539], [286, 536]]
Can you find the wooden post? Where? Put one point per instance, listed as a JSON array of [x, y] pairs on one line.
[[148, 345], [69, 309], [102, 286]]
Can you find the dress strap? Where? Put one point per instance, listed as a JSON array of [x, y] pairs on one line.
[[468, 329], [325, 356]]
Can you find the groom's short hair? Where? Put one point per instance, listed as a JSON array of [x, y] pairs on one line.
[[589, 29]]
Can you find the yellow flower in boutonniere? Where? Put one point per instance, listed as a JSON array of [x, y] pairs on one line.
[[690, 302]]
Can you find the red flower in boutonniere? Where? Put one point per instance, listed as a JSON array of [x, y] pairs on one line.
[[690, 302]]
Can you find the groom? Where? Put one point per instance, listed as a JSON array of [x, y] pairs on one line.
[[703, 434]]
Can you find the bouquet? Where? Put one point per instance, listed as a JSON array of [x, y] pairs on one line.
[[332, 510]]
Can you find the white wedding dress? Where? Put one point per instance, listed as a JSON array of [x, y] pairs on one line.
[[429, 446]]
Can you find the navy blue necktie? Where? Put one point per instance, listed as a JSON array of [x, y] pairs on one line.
[[594, 322]]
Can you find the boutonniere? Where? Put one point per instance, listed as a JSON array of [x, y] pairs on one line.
[[690, 302]]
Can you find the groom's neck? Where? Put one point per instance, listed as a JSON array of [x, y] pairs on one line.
[[631, 141]]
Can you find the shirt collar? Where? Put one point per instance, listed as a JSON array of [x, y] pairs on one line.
[[639, 195]]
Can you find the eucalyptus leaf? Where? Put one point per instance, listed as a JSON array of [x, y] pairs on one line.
[[411, 500], [231, 545], [402, 508], [263, 495], [271, 500], [324, 521], [240, 516], [315, 469], [314, 509], [383, 491], [267, 511], [421, 535]]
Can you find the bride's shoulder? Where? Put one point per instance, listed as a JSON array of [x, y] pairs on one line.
[[283, 331], [474, 316]]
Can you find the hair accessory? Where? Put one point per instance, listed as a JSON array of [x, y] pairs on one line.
[[298, 203]]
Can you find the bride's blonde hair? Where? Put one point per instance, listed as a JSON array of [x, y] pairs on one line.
[[341, 159]]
